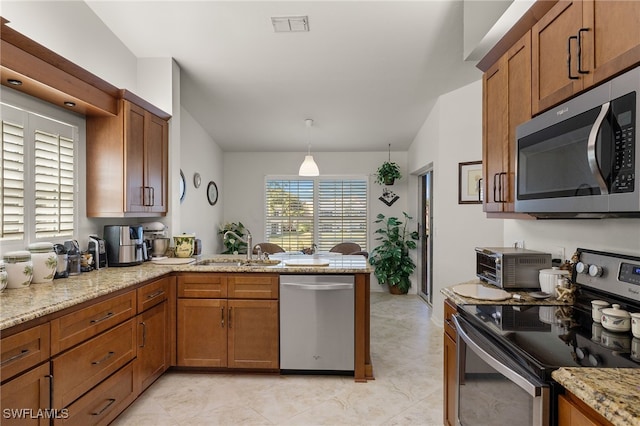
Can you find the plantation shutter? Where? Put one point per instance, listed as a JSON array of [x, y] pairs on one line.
[[12, 175], [342, 212], [289, 213]]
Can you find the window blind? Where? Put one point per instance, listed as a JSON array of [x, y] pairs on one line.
[[289, 213], [342, 212], [12, 177]]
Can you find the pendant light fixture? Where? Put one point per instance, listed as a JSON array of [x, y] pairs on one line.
[[308, 166]]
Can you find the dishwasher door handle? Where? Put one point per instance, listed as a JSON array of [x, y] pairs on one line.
[[321, 287]]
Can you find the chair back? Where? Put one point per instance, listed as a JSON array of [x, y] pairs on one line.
[[346, 248]]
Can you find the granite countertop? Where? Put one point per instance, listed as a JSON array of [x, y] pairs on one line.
[[612, 392], [524, 298], [21, 305]]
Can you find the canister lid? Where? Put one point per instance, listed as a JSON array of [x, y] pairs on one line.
[[40, 247], [17, 256]]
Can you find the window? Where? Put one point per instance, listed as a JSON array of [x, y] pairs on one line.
[[321, 211], [37, 164]]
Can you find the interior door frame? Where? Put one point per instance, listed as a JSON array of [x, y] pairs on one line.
[[426, 235]]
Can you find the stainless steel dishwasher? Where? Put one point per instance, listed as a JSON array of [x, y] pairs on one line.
[[317, 323]]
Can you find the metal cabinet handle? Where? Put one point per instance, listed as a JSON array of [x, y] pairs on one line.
[[110, 402], [580, 31], [571, 77], [480, 189], [230, 309], [495, 187], [503, 198], [222, 316], [106, 357], [144, 334], [156, 294], [109, 315], [152, 191], [13, 358]]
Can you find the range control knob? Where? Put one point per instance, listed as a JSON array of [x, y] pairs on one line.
[[582, 268], [595, 271], [594, 360], [582, 353]]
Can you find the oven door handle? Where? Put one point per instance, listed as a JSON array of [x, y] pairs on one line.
[[500, 367]]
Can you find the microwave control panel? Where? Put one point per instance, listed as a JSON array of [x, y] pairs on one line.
[[624, 119]]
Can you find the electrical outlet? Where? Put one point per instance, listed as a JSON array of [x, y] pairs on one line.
[[558, 253], [518, 244]]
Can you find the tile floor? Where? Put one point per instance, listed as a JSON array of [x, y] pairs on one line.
[[406, 351]]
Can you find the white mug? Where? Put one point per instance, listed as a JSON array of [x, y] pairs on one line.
[[596, 309]]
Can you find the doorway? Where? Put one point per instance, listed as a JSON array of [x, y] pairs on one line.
[[426, 225]]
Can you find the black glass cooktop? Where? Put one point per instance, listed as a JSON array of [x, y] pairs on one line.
[[548, 337]]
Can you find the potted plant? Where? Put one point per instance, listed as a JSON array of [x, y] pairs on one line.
[[387, 173], [233, 245], [391, 259]]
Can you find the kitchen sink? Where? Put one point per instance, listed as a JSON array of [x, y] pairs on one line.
[[257, 263]]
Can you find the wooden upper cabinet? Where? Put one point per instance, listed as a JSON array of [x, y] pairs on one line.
[[612, 43], [506, 104], [555, 55], [127, 163]]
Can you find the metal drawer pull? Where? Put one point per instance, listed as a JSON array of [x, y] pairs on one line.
[[13, 358], [109, 355], [580, 31], [157, 293], [222, 317], [109, 315], [571, 77], [109, 404], [144, 334]]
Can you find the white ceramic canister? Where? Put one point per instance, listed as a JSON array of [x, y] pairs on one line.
[[550, 278], [3, 276], [19, 268], [635, 324], [616, 319], [596, 309], [184, 245], [45, 262]]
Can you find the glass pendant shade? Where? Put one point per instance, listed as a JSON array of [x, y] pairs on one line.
[[308, 167]]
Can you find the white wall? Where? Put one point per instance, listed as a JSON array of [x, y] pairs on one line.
[[451, 134], [244, 174], [199, 153]]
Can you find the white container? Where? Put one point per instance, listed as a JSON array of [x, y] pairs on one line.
[[550, 278], [635, 349], [184, 245], [19, 269], [616, 319], [45, 262], [635, 325], [596, 309], [3, 276]]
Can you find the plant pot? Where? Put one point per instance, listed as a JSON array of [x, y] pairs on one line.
[[389, 181], [394, 289]]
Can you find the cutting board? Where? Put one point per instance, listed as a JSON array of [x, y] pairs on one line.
[[306, 262], [480, 292], [173, 261]]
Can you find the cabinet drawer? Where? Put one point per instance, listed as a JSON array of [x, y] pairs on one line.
[[449, 310], [83, 324], [153, 293], [202, 286], [86, 365], [253, 286], [104, 402], [23, 350], [23, 396]]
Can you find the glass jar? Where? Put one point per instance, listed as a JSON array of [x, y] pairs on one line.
[[19, 269], [44, 261], [3, 276]]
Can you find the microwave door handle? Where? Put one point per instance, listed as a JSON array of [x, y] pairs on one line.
[[500, 367], [592, 146]]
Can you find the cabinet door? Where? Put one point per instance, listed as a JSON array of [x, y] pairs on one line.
[[202, 333], [570, 414], [612, 42], [253, 334], [450, 375], [153, 349], [555, 78], [156, 163], [134, 125], [23, 396]]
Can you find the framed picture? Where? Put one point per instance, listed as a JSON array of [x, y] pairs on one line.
[[470, 182]]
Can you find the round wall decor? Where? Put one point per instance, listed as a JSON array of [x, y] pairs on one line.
[[197, 180], [212, 193]]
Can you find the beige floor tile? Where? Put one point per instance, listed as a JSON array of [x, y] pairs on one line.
[[406, 350]]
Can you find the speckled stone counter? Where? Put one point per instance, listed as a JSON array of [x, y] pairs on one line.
[[524, 299], [612, 392], [21, 305]]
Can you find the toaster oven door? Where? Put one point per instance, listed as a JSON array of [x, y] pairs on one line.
[[488, 267]]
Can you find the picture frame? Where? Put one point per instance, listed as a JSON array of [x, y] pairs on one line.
[[470, 182]]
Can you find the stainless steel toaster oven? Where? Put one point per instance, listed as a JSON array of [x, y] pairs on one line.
[[509, 267]]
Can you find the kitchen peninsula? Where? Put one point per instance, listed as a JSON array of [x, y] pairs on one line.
[[122, 323]]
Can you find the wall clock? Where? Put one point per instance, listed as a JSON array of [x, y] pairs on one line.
[[197, 180], [212, 193]]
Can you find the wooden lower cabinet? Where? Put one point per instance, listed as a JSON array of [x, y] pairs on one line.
[[253, 334], [202, 333], [153, 345], [574, 412], [449, 366], [25, 400]]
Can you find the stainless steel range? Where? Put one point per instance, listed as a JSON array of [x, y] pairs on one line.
[[506, 353]]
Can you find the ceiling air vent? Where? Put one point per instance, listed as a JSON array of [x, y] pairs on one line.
[[289, 24]]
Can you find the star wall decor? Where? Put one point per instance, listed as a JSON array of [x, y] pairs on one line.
[[388, 197]]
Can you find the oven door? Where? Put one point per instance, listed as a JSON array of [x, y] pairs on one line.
[[493, 389]]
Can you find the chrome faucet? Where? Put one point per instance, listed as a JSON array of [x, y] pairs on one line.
[[247, 240]]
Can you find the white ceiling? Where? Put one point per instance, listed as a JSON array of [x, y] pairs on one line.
[[367, 72]]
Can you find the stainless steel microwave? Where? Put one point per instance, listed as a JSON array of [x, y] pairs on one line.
[[581, 158]]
